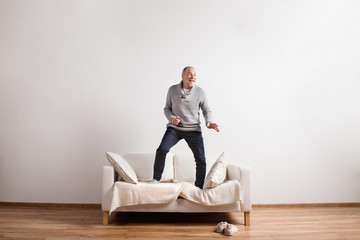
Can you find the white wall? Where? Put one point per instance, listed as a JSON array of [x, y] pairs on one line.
[[79, 78]]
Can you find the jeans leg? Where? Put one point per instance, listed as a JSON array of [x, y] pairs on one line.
[[196, 144], [169, 139]]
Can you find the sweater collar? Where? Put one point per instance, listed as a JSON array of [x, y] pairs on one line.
[[188, 92]]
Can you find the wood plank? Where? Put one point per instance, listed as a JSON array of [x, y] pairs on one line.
[[307, 205], [97, 205], [58, 205], [275, 223]]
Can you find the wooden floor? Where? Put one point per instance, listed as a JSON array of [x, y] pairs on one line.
[[19, 222]]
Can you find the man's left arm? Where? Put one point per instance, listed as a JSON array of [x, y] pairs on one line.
[[212, 125], [205, 108]]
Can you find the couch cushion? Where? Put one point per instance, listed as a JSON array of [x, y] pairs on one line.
[[217, 173], [185, 167], [228, 192], [143, 165], [122, 167], [126, 194]]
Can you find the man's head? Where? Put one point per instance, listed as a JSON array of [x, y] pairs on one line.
[[188, 77]]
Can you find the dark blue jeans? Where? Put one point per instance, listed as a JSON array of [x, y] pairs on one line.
[[196, 144]]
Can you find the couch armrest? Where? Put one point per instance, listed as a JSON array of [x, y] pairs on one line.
[[242, 174], [108, 179]]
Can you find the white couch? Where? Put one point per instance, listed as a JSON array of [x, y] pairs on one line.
[[179, 171]]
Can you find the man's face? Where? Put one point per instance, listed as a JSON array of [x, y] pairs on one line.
[[189, 78]]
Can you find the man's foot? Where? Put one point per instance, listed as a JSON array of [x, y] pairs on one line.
[[154, 181]]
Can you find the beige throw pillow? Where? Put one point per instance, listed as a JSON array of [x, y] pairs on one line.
[[217, 173], [122, 167]]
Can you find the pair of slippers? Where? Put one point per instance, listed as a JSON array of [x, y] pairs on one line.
[[226, 228]]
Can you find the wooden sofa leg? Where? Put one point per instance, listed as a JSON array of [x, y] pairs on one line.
[[105, 218], [247, 218]]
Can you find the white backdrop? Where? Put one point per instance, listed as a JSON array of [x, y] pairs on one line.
[[79, 78]]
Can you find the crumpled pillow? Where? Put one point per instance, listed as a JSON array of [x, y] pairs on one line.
[[122, 167], [217, 173]]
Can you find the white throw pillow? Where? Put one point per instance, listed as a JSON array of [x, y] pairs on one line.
[[217, 173], [122, 167]]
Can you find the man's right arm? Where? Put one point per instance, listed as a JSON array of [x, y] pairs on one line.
[[175, 120], [168, 107]]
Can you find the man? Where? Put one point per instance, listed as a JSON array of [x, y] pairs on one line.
[[182, 109]]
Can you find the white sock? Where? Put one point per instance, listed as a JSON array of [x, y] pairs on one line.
[[154, 181]]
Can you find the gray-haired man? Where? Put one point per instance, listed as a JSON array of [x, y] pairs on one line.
[[183, 104]]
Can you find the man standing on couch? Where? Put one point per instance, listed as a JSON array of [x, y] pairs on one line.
[[183, 103]]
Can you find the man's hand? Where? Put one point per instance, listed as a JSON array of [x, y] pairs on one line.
[[211, 125], [175, 120]]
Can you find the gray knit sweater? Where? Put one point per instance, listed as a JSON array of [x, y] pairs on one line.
[[187, 106]]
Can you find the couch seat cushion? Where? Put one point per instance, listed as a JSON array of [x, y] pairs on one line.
[[228, 192], [127, 194]]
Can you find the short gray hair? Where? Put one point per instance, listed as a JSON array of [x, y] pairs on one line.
[[184, 70]]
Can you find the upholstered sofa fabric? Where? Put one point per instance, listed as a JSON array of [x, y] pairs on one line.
[[226, 193], [143, 164], [184, 168], [127, 194]]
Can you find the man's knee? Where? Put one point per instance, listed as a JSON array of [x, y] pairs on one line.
[[162, 151]]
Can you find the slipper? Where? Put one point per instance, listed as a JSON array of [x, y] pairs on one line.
[[221, 227], [230, 229]]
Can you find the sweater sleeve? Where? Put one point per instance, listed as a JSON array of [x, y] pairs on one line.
[[168, 106], [205, 108]]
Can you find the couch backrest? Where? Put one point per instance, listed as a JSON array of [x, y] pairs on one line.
[[179, 166], [143, 164], [185, 166]]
